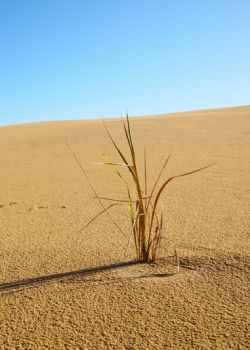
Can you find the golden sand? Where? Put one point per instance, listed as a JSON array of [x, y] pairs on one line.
[[65, 289]]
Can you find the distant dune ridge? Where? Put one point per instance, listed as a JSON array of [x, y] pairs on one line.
[[63, 288]]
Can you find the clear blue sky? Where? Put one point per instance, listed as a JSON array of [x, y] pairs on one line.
[[84, 59]]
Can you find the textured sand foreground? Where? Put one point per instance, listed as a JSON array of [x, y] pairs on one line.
[[65, 289]]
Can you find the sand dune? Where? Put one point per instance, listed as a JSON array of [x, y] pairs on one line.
[[62, 288]]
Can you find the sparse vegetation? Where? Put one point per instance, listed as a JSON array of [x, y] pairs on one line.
[[146, 219]]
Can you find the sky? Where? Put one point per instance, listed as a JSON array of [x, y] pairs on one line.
[[82, 59]]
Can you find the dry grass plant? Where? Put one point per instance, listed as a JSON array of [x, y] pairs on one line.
[[146, 220]]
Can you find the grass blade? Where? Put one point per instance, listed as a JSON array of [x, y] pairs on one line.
[[132, 232], [93, 188], [165, 184], [103, 211], [157, 180], [120, 153], [115, 200]]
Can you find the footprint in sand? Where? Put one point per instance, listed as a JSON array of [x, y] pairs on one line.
[[10, 204], [34, 207]]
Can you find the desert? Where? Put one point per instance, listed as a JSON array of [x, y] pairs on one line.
[[62, 287]]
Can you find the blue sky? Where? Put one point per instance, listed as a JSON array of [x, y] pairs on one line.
[[82, 59]]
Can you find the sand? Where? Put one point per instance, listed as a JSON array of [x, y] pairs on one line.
[[65, 289]]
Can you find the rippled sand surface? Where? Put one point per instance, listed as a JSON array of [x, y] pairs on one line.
[[63, 288]]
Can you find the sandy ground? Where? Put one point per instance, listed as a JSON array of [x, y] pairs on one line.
[[65, 289]]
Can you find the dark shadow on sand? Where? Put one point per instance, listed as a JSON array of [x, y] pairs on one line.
[[59, 276]]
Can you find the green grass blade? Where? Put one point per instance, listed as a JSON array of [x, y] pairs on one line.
[[132, 152], [120, 153], [113, 165], [130, 137], [132, 232]]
